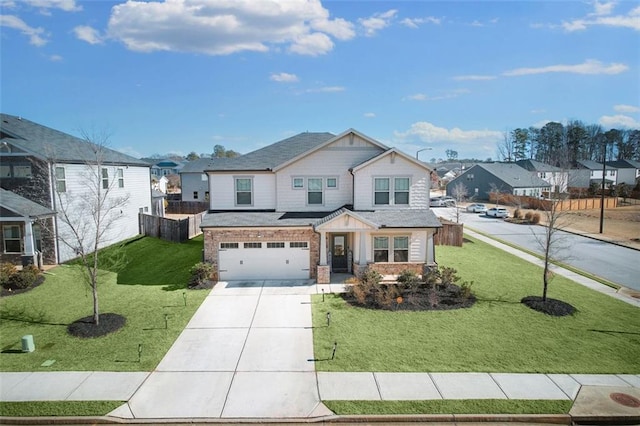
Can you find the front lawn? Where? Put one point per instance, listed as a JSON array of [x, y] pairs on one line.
[[497, 334], [153, 302]]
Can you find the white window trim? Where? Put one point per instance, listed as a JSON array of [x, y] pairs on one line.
[[392, 190], [293, 186], [105, 179], [120, 175], [5, 239], [390, 248], [321, 191], [63, 180], [235, 191], [332, 188]]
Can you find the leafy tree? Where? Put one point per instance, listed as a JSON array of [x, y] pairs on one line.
[[192, 156], [520, 138], [452, 155], [220, 151]]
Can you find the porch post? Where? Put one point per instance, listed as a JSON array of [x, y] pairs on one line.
[[29, 246], [323, 248], [362, 252]]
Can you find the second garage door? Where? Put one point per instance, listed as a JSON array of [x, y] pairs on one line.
[[263, 260]]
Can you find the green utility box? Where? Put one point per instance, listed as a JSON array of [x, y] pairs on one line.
[[27, 343]]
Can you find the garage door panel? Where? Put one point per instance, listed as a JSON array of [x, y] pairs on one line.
[[263, 263]]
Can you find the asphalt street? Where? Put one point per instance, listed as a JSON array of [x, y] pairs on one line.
[[612, 262]]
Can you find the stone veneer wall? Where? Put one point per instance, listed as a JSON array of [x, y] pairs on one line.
[[396, 268], [213, 238]]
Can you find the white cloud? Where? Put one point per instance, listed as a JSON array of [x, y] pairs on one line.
[[44, 5], [36, 35], [590, 66], [416, 22], [283, 77], [326, 89], [617, 121], [538, 111], [369, 114], [417, 97], [445, 95], [88, 34], [602, 16], [221, 27], [474, 77], [55, 58], [626, 108], [377, 21]]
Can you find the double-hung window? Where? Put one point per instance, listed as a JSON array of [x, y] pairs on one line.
[[314, 191], [120, 178], [244, 191], [381, 191], [401, 191], [105, 179], [400, 249], [380, 249], [61, 180], [12, 239]]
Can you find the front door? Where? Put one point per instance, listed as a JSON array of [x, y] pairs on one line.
[[339, 253]]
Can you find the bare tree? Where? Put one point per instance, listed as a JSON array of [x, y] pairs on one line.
[[459, 192], [497, 190], [88, 213], [506, 148]]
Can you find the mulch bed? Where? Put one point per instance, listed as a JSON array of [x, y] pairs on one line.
[[203, 286], [10, 292], [85, 328], [445, 298], [553, 307]]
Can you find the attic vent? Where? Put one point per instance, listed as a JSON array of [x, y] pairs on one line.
[[351, 136]]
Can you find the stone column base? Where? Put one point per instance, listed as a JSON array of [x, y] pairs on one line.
[[324, 274]]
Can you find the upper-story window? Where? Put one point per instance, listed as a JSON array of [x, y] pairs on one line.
[[391, 191], [61, 180], [105, 178], [120, 178], [314, 191], [244, 191]]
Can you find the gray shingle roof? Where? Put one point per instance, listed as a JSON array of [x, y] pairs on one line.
[[273, 155], [623, 164], [408, 218], [593, 165], [537, 166], [513, 175], [56, 145], [22, 206], [199, 165]]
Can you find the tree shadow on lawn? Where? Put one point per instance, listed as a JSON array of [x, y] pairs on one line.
[[22, 314]]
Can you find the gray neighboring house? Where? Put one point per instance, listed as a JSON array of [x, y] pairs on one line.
[[555, 176], [628, 171], [587, 172], [194, 182], [508, 178]]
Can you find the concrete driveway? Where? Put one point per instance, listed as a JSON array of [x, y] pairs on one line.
[[247, 352]]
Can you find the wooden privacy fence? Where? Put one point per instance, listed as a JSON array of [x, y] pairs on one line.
[[186, 207], [176, 230], [449, 235], [544, 204]]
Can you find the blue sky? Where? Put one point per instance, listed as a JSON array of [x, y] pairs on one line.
[[185, 75]]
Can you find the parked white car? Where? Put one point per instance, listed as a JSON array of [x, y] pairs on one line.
[[477, 208], [442, 202], [497, 212]]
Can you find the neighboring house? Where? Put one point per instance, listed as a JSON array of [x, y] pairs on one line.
[[21, 233], [157, 203], [628, 171], [159, 184], [509, 178], [588, 172], [555, 176], [194, 181], [165, 168], [49, 168], [318, 203]]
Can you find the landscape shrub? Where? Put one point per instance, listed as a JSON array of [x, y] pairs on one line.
[[200, 274], [535, 219], [517, 214], [528, 216], [7, 270]]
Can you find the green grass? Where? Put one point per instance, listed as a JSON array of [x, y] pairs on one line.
[[45, 312], [57, 408], [470, 406], [498, 334]]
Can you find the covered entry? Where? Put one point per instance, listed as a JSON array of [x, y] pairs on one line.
[[263, 260]]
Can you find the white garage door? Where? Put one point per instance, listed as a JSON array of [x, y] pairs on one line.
[[263, 260]]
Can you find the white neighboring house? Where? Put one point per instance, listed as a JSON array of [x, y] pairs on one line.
[[628, 171], [315, 204], [159, 184], [555, 176], [589, 172], [50, 168]]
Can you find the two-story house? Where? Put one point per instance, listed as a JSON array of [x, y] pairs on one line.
[[45, 174], [318, 203], [166, 167], [555, 176], [628, 171], [587, 172], [194, 182]]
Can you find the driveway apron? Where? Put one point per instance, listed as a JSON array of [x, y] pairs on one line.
[[246, 353]]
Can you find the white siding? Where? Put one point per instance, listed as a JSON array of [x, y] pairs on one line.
[[137, 190], [334, 160], [222, 191], [391, 166], [417, 243]]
